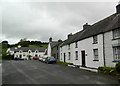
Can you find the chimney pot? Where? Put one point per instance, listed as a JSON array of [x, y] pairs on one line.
[[86, 26], [70, 35]]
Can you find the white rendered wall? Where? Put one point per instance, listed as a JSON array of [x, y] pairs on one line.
[[88, 46], [49, 50], [108, 49]]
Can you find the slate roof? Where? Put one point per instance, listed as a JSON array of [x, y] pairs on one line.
[[105, 25], [12, 49], [25, 49]]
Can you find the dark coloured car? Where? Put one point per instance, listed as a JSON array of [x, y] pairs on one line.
[[35, 58], [50, 60]]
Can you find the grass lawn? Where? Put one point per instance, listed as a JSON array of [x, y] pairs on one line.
[[38, 46]]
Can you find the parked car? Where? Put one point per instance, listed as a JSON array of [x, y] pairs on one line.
[[43, 59], [50, 60], [35, 58], [40, 59]]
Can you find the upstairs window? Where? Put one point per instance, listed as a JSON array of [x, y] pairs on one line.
[[116, 33], [36, 51], [29, 52], [95, 52], [76, 44], [69, 47], [95, 39], [116, 53]]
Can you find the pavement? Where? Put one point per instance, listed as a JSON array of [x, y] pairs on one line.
[[36, 72]]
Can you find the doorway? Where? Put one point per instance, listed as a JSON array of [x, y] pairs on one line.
[[64, 57], [83, 58]]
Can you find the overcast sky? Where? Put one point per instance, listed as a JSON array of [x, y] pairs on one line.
[[36, 20]]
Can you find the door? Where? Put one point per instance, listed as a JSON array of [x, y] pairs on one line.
[[20, 56], [64, 57], [83, 58]]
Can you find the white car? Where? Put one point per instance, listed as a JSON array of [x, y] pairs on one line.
[[40, 59]]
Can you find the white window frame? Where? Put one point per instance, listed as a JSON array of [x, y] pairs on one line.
[[96, 56], [116, 33], [76, 44], [116, 53], [95, 39]]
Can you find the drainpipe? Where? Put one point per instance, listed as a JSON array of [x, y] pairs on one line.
[[104, 50]]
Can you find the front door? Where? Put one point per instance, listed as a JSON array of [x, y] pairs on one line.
[[20, 56], [83, 58], [64, 57]]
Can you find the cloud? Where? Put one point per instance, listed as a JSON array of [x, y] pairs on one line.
[[41, 20]]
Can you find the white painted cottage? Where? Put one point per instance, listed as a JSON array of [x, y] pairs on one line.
[[26, 53], [96, 45]]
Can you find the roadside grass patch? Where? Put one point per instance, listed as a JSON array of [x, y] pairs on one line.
[[107, 70], [64, 63]]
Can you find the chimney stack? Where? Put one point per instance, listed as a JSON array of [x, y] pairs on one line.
[[118, 8], [70, 35], [59, 41], [50, 39], [86, 26]]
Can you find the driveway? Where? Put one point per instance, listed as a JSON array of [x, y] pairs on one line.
[[36, 72]]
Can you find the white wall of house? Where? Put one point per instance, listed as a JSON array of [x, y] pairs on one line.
[[66, 51], [88, 46], [25, 54], [49, 50], [108, 36]]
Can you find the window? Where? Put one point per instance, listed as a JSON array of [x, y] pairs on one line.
[[69, 47], [36, 51], [116, 33], [76, 55], [28, 51], [116, 53], [95, 52], [69, 55], [76, 44], [95, 39]]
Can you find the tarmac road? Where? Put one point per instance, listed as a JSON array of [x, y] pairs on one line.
[[36, 72]]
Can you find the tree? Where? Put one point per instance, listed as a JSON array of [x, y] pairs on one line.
[[24, 43], [4, 42]]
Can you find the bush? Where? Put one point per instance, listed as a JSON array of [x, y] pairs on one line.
[[107, 70], [118, 67]]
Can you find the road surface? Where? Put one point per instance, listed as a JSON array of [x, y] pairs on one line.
[[36, 72]]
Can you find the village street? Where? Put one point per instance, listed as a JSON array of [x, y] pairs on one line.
[[36, 72]]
